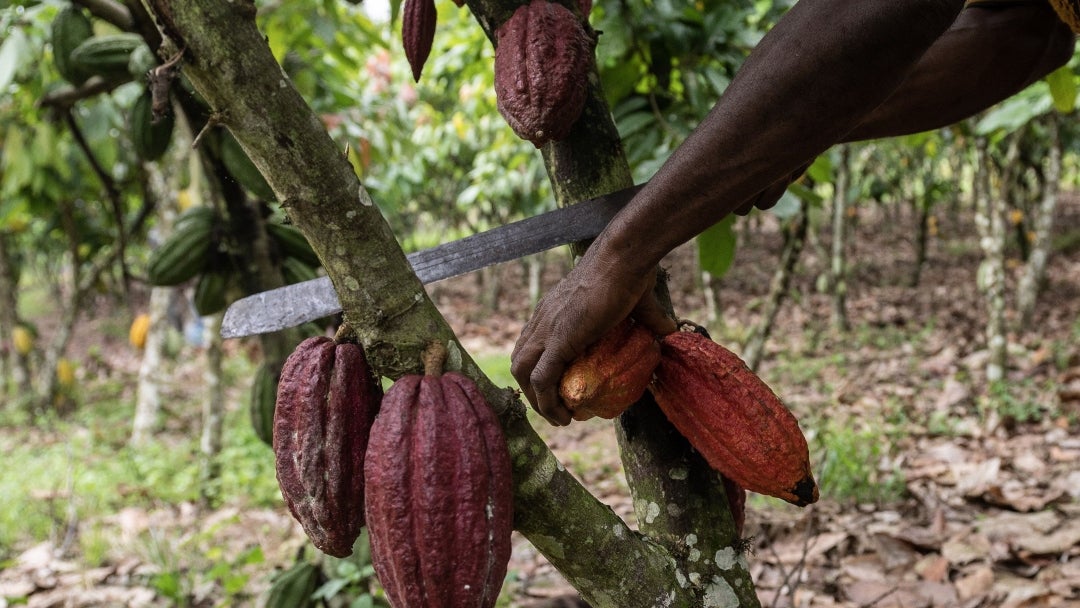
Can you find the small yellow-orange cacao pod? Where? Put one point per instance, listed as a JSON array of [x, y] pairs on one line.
[[612, 373]]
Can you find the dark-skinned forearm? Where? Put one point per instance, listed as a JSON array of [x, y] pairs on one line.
[[815, 76], [986, 56]]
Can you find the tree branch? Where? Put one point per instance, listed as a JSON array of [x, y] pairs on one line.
[[109, 10], [63, 98], [111, 191]]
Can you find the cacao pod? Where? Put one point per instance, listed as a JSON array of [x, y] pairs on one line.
[[733, 418], [543, 57], [295, 271], [65, 372], [140, 63], [261, 405], [245, 172], [736, 498], [210, 292], [186, 251], [151, 139], [140, 328], [612, 373], [70, 28], [106, 56], [327, 398], [439, 496], [418, 32], [23, 340], [293, 243]]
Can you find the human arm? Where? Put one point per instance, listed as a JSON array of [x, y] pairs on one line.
[[991, 52], [816, 75]]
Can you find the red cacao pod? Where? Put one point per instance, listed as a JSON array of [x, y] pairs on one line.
[[736, 498], [439, 494], [733, 418], [326, 402], [418, 33], [543, 56], [612, 373]]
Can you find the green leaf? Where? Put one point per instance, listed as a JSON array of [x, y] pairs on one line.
[[1016, 111], [803, 193], [14, 53], [821, 169], [1063, 89], [716, 247]]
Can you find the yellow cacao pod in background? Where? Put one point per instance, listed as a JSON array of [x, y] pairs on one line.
[[65, 373], [23, 339], [139, 328]]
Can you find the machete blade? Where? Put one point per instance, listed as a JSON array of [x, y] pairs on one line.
[[296, 304]]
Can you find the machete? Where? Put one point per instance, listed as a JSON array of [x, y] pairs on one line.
[[296, 304]]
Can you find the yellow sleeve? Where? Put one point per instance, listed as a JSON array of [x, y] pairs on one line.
[[1067, 10]]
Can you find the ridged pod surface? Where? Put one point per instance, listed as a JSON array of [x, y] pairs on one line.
[[418, 32], [542, 60], [327, 399], [612, 373], [733, 418], [439, 494]]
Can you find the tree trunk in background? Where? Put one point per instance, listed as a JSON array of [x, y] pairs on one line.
[[710, 288], [535, 266], [794, 238], [838, 267], [922, 237], [213, 416], [148, 398], [990, 221], [1034, 273], [16, 370]]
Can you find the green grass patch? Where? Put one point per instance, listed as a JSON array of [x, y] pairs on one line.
[[496, 366], [82, 467], [850, 463]]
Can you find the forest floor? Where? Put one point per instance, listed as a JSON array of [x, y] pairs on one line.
[[938, 488]]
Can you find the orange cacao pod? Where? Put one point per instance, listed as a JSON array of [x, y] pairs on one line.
[[439, 495], [326, 402], [543, 56], [612, 373], [733, 418], [418, 32]]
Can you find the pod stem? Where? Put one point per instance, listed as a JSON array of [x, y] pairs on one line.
[[434, 358], [345, 333]]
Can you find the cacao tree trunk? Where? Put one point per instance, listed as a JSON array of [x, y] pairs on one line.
[[229, 63], [710, 288], [535, 267], [148, 397], [838, 267], [16, 378], [990, 221], [213, 416], [794, 238], [1034, 272], [922, 236]]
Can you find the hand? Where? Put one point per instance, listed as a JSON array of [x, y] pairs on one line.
[[592, 298]]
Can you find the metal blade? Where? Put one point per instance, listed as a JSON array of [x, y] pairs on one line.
[[296, 304]]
